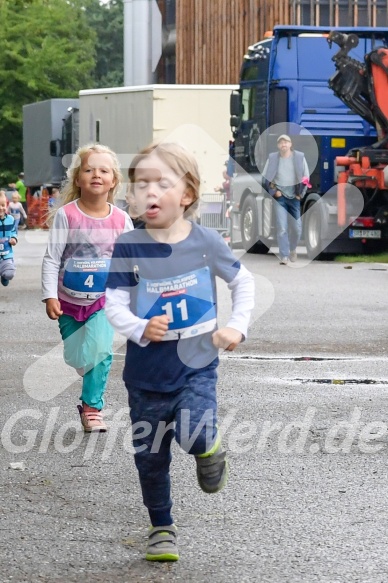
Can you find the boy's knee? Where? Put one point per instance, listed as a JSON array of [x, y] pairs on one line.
[[8, 273]]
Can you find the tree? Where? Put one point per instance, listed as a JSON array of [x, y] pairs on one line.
[[47, 50], [107, 20]]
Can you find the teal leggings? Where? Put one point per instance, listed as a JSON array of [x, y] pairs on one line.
[[88, 348]]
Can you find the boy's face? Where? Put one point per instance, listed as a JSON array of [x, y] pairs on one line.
[[3, 206], [161, 195], [15, 197]]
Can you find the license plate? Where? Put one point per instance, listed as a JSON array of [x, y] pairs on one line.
[[364, 234]]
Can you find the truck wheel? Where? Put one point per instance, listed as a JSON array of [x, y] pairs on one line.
[[250, 227], [313, 226]]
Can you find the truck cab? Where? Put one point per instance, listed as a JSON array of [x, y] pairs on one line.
[[284, 88]]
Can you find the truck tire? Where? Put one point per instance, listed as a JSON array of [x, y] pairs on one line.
[[314, 225], [250, 228]]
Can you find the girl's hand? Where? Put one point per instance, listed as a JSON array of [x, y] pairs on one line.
[[53, 308], [12, 241], [227, 338], [156, 328]]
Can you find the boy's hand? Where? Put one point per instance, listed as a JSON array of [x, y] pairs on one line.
[[156, 328], [12, 241], [227, 338], [53, 308]]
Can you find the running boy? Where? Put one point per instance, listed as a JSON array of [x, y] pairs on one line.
[[161, 296], [8, 238], [84, 228]]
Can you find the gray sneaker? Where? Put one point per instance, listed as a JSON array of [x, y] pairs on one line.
[[162, 543], [212, 471], [284, 261], [293, 256]]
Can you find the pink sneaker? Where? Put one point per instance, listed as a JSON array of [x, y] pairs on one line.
[[91, 419]]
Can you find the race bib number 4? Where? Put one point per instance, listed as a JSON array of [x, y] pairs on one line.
[[86, 278], [186, 299]]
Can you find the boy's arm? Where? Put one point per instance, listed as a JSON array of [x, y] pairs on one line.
[[236, 330], [13, 236], [117, 310]]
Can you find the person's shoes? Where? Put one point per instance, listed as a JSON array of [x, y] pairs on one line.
[[91, 419], [162, 543], [4, 281], [284, 261], [293, 256], [212, 471]]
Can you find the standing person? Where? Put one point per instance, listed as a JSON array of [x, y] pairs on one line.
[[8, 239], [161, 296], [16, 209], [225, 186], [286, 177], [85, 225], [22, 190]]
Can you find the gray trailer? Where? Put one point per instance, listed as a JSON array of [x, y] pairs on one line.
[[45, 135]]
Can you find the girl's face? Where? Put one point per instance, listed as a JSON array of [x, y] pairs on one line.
[[161, 195], [96, 177]]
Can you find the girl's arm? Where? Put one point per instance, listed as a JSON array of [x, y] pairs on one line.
[[53, 256]]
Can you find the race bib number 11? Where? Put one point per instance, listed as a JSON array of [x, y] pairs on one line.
[[186, 299]]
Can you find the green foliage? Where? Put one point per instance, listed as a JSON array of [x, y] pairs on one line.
[[47, 50], [108, 23]]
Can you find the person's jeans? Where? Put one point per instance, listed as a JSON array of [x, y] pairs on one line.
[[190, 415], [88, 346], [288, 224]]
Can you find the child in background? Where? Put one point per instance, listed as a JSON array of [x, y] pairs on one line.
[[85, 225], [15, 208], [161, 296], [53, 197], [8, 238]]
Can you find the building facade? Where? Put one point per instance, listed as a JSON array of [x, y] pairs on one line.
[[205, 40]]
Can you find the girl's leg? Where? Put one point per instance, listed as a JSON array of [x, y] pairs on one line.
[[73, 335], [97, 359], [150, 411]]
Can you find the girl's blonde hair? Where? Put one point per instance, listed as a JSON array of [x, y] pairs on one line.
[[70, 191], [180, 160]]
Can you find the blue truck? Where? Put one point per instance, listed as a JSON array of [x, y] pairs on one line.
[[292, 82]]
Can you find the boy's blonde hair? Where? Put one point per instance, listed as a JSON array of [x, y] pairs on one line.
[[71, 191], [180, 160]]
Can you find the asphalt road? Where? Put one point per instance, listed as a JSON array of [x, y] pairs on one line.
[[303, 413]]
